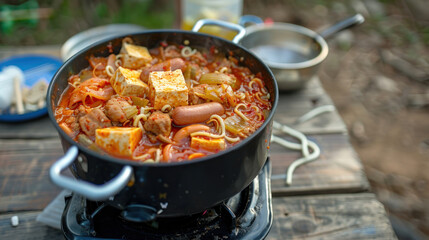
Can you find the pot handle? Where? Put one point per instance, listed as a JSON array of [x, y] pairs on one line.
[[250, 19], [89, 190], [232, 26], [344, 24]]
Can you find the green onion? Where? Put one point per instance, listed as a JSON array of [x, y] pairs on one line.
[[140, 102], [190, 72], [84, 140], [130, 111], [234, 124], [94, 147], [187, 73]]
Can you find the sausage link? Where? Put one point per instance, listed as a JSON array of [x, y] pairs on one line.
[[166, 153], [186, 131], [169, 65], [184, 115]]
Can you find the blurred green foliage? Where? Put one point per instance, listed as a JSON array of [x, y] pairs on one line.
[[425, 32], [26, 14], [140, 12], [68, 17], [58, 20]]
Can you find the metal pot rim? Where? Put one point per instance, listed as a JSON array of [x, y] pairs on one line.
[[259, 28], [124, 161]]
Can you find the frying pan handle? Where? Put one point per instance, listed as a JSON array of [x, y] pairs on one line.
[[232, 26], [86, 189], [342, 25]]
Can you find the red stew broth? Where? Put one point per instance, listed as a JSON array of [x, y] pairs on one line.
[[255, 97]]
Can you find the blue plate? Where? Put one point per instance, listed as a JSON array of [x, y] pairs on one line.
[[34, 67]]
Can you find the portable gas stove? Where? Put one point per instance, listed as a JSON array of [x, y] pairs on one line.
[[247, 215]]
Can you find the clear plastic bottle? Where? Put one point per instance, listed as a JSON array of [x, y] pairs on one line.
[[226, 10]]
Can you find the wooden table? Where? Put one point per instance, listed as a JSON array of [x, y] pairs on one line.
[[329, 198]]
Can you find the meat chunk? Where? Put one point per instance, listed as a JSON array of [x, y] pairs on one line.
[[73, 120], [93, 120], [172, 52], [73, 123], [193, 98], [81, 111], [158, 123], [114, 109]]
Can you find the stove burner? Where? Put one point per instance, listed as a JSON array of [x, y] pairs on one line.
[[247, 215]]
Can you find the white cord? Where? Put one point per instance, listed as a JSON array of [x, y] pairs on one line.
[[304, 147], [293, 133], [315, 112]]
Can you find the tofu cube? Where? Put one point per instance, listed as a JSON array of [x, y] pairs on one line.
[[168, 87], [118, 141], [126, 82], [213, 145], [135, 56]]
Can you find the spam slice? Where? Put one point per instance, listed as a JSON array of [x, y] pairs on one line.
[[135, 56], [126, 82], [118, 140]]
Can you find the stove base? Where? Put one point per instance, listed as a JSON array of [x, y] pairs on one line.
[[248, 215]]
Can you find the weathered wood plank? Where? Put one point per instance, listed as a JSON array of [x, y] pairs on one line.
[[53, 50], [351, 216], [24, 165], [28, 228], [295, 104], [37, 128], [24, 173], [337, 170]]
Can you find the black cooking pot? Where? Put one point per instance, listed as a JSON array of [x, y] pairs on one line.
[[163, 189]]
